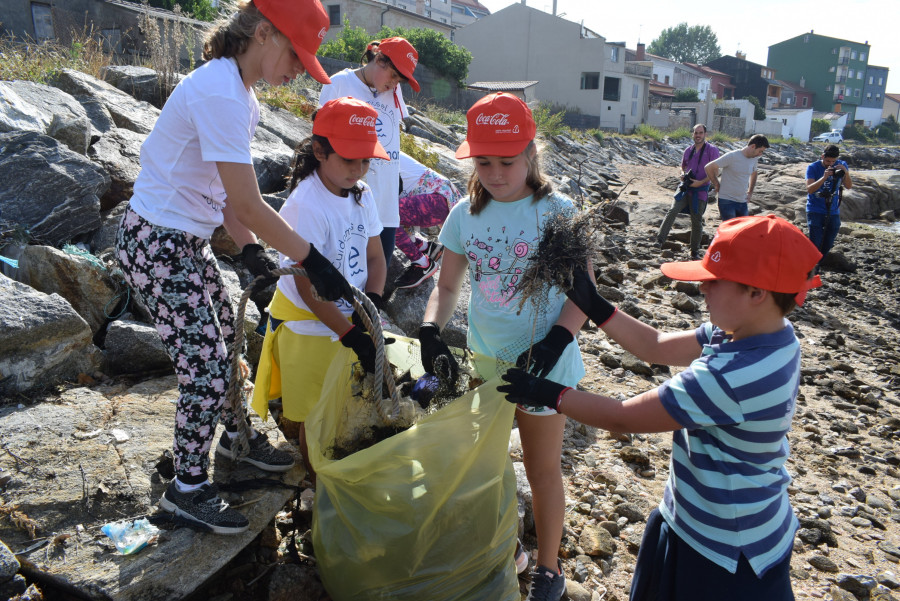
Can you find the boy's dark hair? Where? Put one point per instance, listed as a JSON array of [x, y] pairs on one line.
[[535, 179], [758, 140], [831, 151], [231, 34], [783, 300], [371, 53], [305, 162]]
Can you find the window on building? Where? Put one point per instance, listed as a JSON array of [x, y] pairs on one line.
[[614, 54], [805, 101], [655, 77], [806, 39], [42, 18], [877, 96], [831, 69], [859, 75], [834, 51], [850, 73], [334, 15], [871, 80], [459, 10], [862, 56], [443, 20], [611, 87], [590, 81], [634, 108], [856, 93], [634, 91], [667, 80], [881, 81], [827, 88], [428, 13], [868, 95], [853, 55]]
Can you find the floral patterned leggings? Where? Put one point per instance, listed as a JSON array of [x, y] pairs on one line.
[[177, 277]]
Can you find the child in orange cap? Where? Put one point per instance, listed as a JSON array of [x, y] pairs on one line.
[[386, 64], [725, 524], [197, 174], [491, 234], [332, 208]]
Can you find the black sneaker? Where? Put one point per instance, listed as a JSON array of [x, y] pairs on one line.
[[415, 275], [546, 584], [204, 506], [262, 454], [434, 250]]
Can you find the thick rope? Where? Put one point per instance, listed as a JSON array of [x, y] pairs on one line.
[[240, 445]]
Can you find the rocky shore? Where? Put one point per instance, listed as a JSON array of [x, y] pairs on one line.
[[73, 338]]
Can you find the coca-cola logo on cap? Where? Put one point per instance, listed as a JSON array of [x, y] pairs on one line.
[[495, 119], [322, 33], [412, 58], [365, 120]]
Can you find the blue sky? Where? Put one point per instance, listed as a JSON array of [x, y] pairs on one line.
[[750, 26]]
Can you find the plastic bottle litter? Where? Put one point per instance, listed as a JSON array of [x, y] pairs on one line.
[[130, 537]]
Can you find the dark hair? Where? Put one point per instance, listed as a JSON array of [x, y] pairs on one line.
[[231, 35], [783, 300], [371, 53], [537, 181], [831, 151], [699, 125], [758, 140], [305, 162]]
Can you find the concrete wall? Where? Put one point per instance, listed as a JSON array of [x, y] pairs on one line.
[[870, 117], [372, 16]]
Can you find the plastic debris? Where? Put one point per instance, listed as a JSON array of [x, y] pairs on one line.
[[130, 537]]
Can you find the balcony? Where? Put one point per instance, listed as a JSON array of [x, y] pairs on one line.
[[843, 60], [841, 79], [636, 68]]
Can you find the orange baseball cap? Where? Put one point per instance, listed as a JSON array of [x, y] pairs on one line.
[[305, 24], [498, 125], [349, 126], [765, 252], [403, 56]]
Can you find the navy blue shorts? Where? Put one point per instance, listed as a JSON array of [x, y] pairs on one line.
[[668, 569]]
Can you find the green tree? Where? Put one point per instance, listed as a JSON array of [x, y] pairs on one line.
[[348, 46], [687, 44], [686, 95], [819, 126], [435, 50], [759, 113]]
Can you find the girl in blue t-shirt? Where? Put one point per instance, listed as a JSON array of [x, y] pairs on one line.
[[492, 234]]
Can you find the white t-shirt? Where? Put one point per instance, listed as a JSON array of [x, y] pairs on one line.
[[384, 175], [209, 117], [411, 171], [340, 229], [734, 175]]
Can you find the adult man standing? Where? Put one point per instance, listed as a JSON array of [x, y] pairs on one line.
[[738, 177], [824, 180], [693, 198]]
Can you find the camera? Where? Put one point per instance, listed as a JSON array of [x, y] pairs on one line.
[[838, 172], [687, 178]]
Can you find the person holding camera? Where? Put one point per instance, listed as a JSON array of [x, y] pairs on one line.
[[825, 181], [691, 196]]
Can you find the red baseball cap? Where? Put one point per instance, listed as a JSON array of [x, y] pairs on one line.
[[305, 24], [765, 252], [403, 56], [349, 125], [498, 125]]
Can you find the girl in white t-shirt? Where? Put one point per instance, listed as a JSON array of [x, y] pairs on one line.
[[335, 211], [197, 174], [385, 65]]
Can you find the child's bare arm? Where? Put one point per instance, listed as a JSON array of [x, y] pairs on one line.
[[643, 413], [649, 344], [443, 298], [376, 265]]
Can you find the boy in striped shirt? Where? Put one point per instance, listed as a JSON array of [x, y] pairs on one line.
[[725, 525]]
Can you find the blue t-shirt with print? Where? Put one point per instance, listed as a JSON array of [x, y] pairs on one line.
[[498, 243]]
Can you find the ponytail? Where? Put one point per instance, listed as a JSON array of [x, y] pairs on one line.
[[230, 35]]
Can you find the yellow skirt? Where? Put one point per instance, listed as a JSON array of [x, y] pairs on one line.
[[302, 362]]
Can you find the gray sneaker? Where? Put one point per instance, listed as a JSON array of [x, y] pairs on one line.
[[547, 584], [262, 454], [205, 507]]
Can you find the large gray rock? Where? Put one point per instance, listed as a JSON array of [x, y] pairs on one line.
[[82, 280], [126, 112], [90, 459], [9, 565], [142, 83], [44, 339], [48, 189], [285, 125], [133, 348], [271, 161], [105, 237], [29, 106], [119, 153]]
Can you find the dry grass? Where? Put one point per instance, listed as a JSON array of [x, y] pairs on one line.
[[27, 60]]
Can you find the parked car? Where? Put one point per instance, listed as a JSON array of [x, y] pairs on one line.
[[834, 137]]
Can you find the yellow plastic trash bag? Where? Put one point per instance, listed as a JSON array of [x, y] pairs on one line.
[[428, 514]]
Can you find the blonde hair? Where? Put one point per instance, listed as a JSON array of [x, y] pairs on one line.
[[534, 179], [231, 35]]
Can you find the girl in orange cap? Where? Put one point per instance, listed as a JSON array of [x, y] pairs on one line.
[[197, 174], [385, 65]]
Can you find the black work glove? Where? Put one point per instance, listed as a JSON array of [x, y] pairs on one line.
[[258, 263], [531, 391], [436, 356], [546, 353], [361, 343], [584, 294], [325, 278]]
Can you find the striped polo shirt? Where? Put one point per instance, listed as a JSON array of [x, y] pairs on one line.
[[727, 490]]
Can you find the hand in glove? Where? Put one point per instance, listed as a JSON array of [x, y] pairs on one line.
[[584, 294], [530, 391], [361, 343], [379, 304], [546, 353], [328, 281], [436, 356], [258, 263]]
